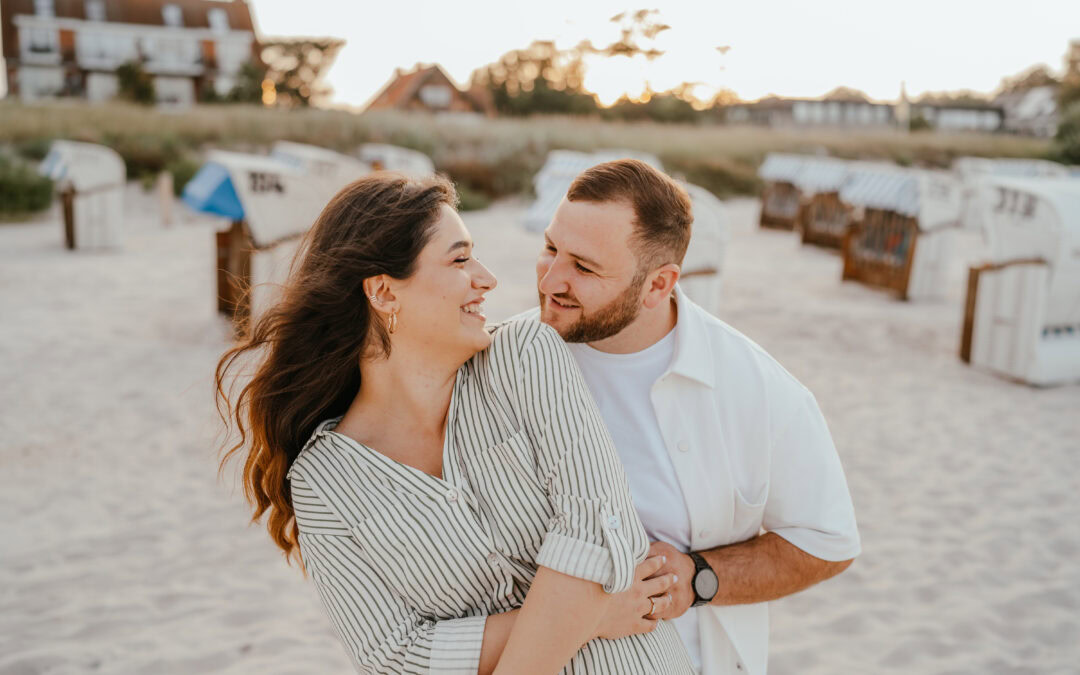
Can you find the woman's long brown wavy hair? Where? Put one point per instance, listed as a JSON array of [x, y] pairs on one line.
[[307, 348]]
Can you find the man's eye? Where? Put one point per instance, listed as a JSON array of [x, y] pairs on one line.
[[584, 269]]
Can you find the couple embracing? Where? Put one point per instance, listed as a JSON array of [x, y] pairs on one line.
[[615, 482]]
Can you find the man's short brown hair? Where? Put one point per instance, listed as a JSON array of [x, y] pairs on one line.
[[662, 209]]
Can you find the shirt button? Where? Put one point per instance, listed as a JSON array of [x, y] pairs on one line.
[[451, 495], [703, 534], [739, 666], [684, 446], [613, 522], [493, 558]]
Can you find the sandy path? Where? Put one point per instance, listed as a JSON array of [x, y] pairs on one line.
[[121, 552]]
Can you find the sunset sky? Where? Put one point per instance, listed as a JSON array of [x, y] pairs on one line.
[[792, 48]]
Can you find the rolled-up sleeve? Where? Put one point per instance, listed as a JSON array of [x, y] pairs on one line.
[[809, 503], [596, 533], [379, 631]]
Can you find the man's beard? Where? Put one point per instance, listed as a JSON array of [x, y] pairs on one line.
[[609, 319]]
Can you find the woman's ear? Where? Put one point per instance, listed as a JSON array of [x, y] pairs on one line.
[[378, 292]]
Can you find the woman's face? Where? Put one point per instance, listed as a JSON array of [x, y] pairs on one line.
[[441, 304]]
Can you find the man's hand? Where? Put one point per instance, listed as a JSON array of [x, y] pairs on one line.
[[680, 565]]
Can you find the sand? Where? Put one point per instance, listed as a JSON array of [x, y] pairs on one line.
[[121, 551]]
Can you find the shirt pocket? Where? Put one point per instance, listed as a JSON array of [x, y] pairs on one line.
[[747, 515], [521, 507]]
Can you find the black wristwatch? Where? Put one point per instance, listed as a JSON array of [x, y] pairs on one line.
[[704, 583]]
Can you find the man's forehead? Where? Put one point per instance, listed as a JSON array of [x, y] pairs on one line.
[[598, 228]]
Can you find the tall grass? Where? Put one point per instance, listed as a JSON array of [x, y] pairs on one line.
[[496, 156]]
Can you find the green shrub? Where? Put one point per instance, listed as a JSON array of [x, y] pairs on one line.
[[471, 200], [182, 170], [22, 190], [135, 84], [721, 177], [33, 149], [1067, 142], [145, 154]]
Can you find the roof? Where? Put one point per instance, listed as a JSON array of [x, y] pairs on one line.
[[277, 199], [931, 197], [83, 166], [403, 87], [780, 167], [141, 12], [393, 158], [1038, 218]]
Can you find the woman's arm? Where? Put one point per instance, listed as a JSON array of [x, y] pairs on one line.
[[595, 540], [623, 614]]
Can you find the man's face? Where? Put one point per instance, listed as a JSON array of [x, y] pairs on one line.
[[587, 274]]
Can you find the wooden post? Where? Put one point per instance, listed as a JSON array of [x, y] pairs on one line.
[[969, 313], [67, 203]]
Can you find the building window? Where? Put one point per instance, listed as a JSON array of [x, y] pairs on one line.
[[219, 20], [44, 8], [42, 41], [95, 10], [436, 95], [173, 16]]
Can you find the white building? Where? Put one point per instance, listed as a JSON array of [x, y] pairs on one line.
[[73, 47]]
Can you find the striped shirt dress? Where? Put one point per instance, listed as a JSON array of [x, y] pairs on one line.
[[408, 565]]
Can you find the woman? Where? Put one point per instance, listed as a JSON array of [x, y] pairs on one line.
[[451, 488]]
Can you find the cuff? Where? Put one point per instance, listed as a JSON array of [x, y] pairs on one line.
[[831, 547], [456, 644], [576, 558]]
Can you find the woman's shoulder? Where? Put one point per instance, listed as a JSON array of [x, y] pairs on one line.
[[318, 450], [518, 337]]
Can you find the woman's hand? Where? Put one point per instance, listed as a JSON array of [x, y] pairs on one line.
[[628, 613]]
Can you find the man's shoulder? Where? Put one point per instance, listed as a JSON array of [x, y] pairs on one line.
[[733, 350]]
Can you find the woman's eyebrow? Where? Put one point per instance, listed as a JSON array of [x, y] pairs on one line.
[[459, 244]]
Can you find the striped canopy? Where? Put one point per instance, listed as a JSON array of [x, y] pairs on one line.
[[931, 197]]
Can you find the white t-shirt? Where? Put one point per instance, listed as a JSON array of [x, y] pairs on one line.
[[621, 384]]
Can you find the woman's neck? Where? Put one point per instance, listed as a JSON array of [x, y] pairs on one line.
[[405, 393]]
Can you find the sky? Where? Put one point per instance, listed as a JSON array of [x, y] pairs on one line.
[[790, 48]]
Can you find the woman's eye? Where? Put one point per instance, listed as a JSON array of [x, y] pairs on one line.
[[461, 261], [582, 268]]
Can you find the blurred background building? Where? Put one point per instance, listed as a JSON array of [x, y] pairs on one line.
[[84, 48]]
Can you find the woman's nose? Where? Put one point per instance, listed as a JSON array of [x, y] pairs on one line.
[[484, 278]]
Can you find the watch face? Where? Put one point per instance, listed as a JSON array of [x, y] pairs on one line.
[[706, 584]]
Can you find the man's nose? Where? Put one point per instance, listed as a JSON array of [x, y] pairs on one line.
[[552, 282]]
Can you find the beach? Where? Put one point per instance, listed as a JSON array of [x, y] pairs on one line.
[[123, 551]]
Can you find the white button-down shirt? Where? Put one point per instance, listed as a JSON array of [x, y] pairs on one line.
[[752, 452]]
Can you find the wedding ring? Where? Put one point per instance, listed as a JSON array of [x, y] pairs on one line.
[[652, 606]]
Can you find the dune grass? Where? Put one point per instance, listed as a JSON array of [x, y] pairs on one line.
[[490, 156]]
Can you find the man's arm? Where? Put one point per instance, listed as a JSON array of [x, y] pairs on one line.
[[761, 569]]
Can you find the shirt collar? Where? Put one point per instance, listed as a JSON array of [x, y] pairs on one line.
[[693, 356]]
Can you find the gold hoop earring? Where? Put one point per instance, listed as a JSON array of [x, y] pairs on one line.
[[393, 322]]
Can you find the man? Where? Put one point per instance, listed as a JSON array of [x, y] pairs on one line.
[[729, 459]]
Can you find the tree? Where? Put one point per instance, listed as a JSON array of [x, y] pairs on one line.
[[1067, 141], [249, 84], [538, 79], [1035, 76], [295, 68]]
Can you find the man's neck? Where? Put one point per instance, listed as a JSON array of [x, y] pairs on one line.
[[650, 326]]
